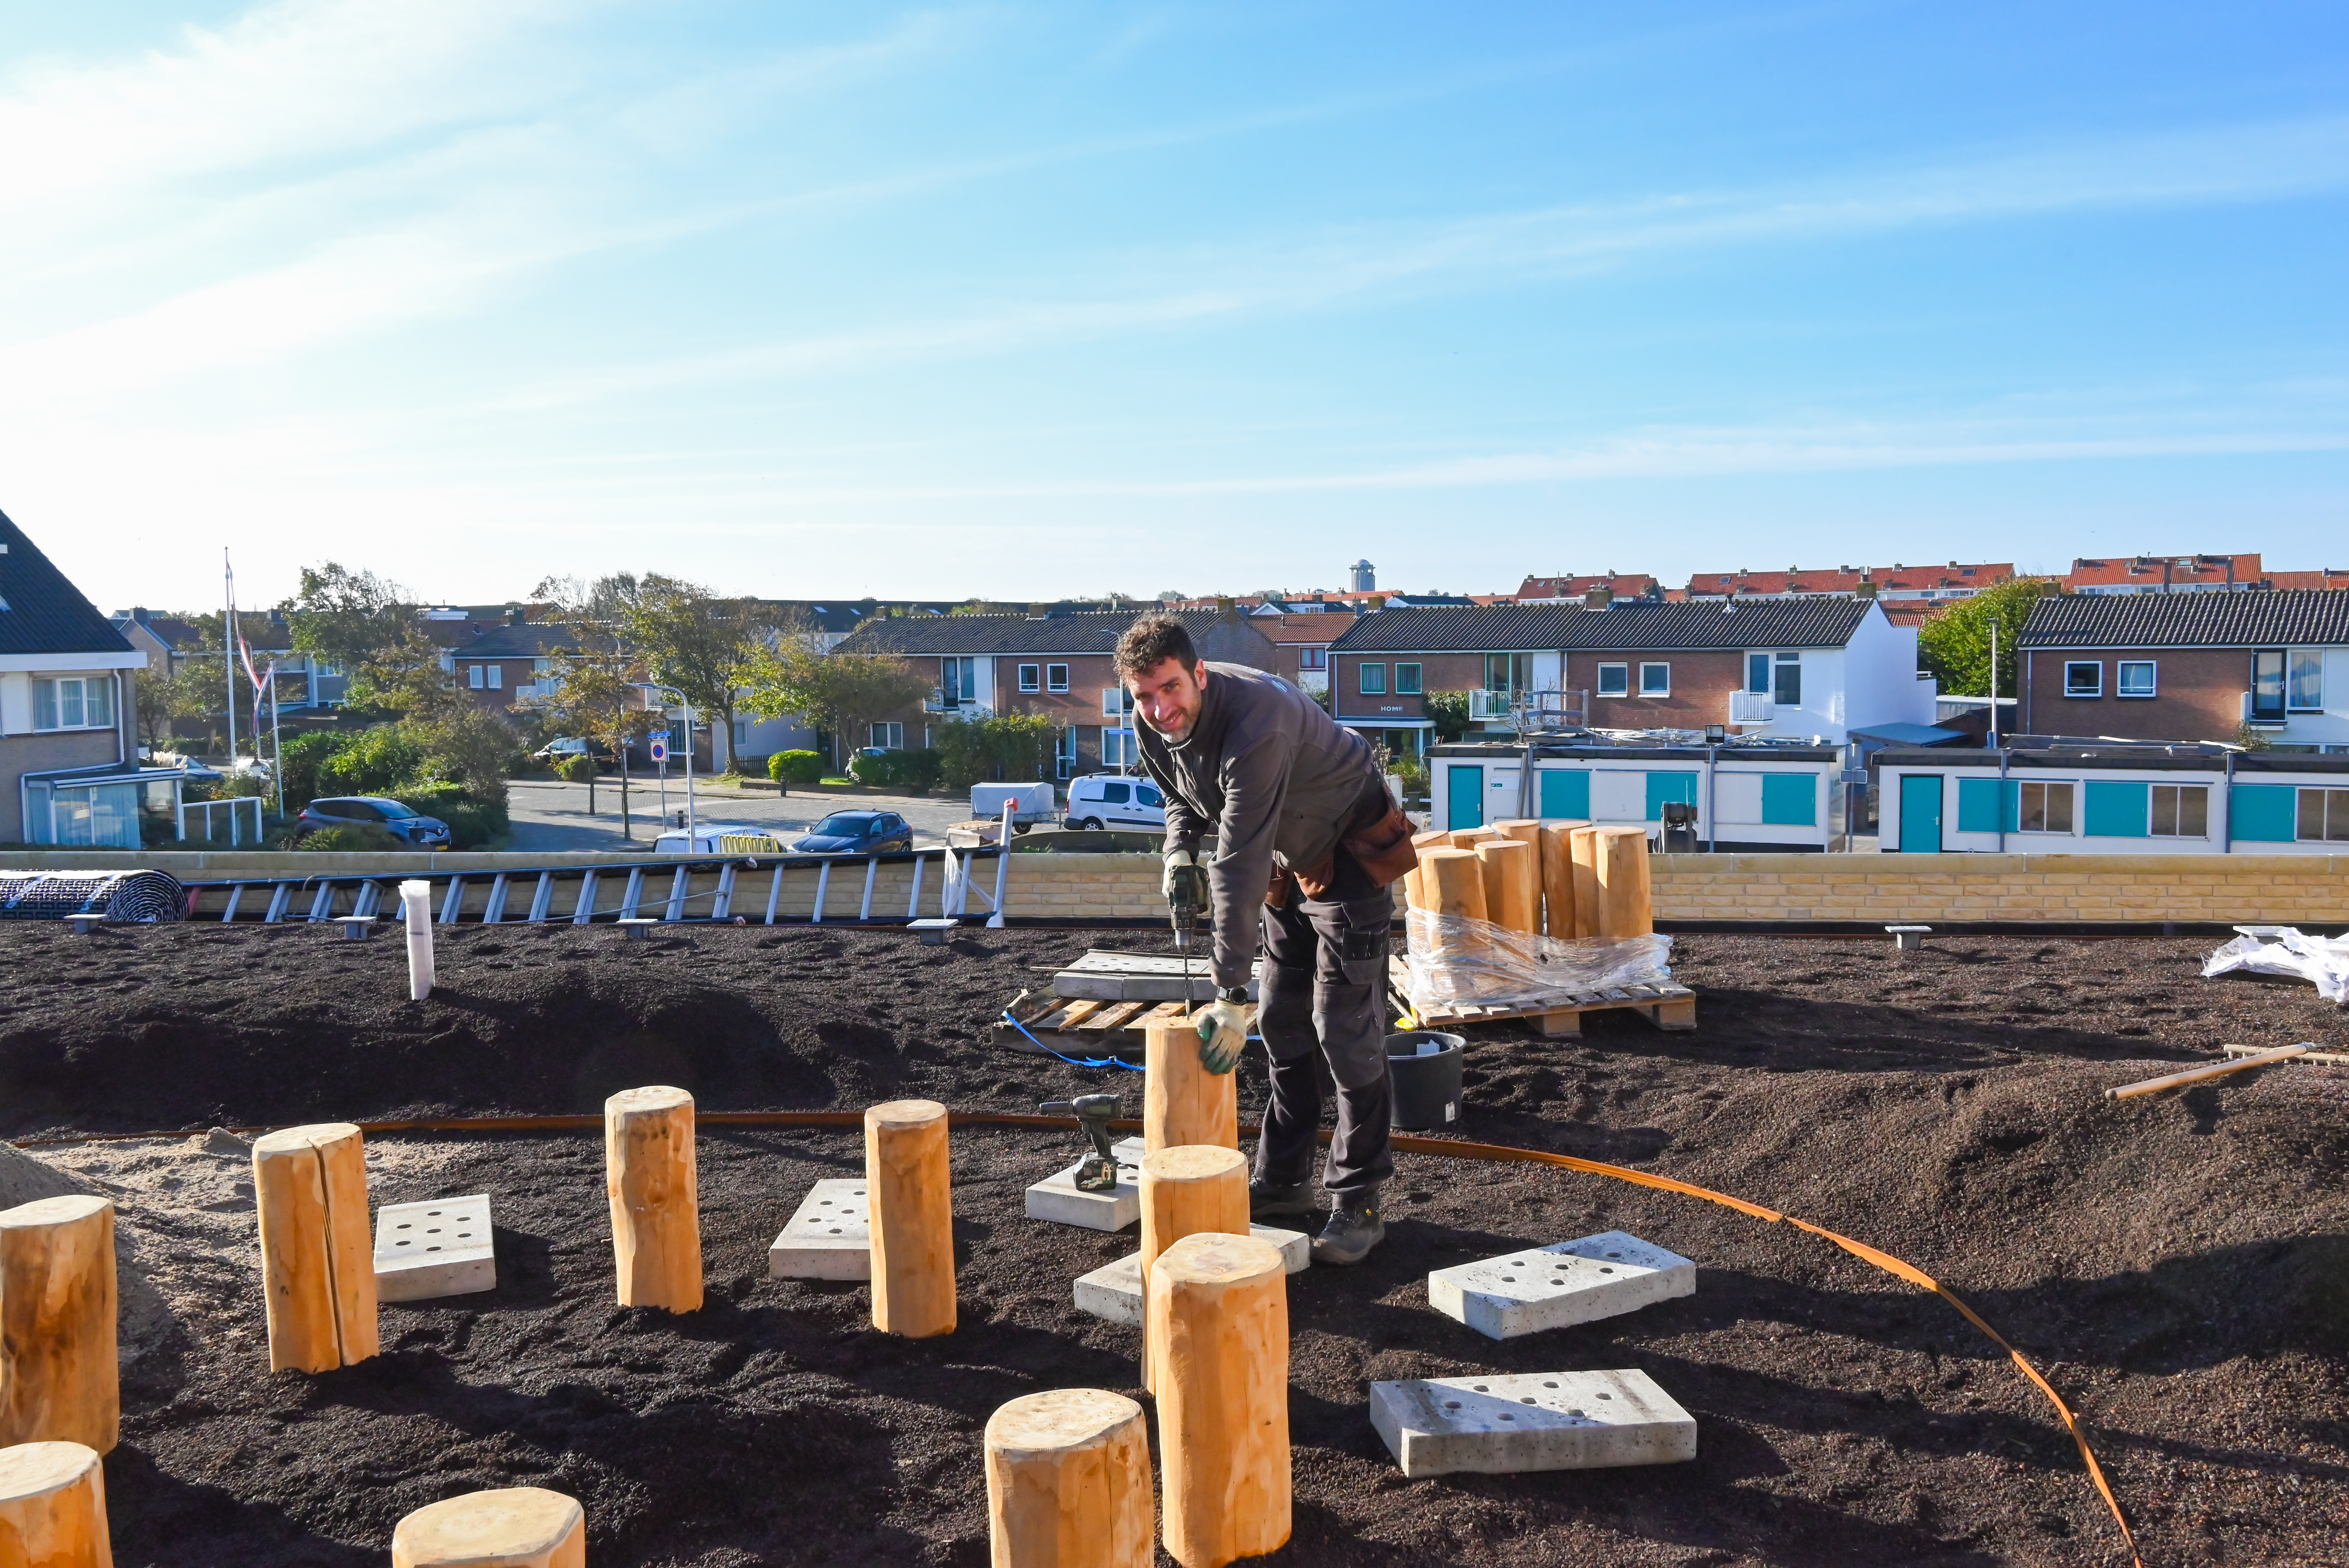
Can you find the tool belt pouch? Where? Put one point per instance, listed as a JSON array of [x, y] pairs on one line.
[[1384, 849], [1283, 887]]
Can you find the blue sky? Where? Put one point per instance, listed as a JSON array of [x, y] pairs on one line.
[[1023, 300]]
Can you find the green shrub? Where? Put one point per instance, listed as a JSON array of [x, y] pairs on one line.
[[796, 766], [895, 769], [350, 837], [473, 822], [304, 757], [577, 768], [375, 761], [1012, 748]]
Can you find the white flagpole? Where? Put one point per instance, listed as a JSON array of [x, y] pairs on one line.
[[228, 652]]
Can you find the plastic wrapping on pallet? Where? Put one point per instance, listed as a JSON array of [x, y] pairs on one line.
[[2322, 961], [1456, 959], [142, 897]]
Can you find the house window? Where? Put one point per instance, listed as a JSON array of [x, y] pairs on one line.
[[1064, 749], [2324, 815], [2084, 678], [497, 677], [2046, 809], [1374, 680], [73, 702], [958, 681], [474, 677], [2305, 683], [2134, 678], [1614, 680], [1757, 673], [1056, 677], [1787, 683], [889, 737], [1407, 680], [741, 733], [1496, 672], [1313, 658], [1655, 680], [1031, 677], [2267, 687], [1116, 702], [1118, 748], [2181, 810]]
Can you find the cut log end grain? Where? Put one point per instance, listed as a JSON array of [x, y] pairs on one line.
[[52, 1507], [1068, 1481], [513, 1527]]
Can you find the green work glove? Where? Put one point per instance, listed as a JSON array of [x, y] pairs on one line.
[[1223, 1030]]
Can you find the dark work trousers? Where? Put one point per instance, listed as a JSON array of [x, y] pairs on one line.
[[1322, 999]]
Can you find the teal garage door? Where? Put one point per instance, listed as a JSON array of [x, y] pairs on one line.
[[1465, 808], [2118, 808], [1920, 813], [1790, 800], [1663, 787], [1980, 809], [1565, 793], [2263, 813]]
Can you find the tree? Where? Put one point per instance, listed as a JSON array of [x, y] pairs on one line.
[[703, 645], [368, 626], [1954, 644], [191, 691], [1448, 710], [472, 747], [837, 692], [595, 695]]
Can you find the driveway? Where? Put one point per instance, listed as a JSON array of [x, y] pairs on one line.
[[551, 814]]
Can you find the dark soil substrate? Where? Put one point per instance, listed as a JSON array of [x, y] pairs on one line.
[[2178, 1266]]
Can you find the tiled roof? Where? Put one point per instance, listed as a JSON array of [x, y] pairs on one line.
[[1641, 624], [530, 640], [1091, 633], [2137, 571], [1625, 585], [2260, 618], [46, 614], [1848, 579]]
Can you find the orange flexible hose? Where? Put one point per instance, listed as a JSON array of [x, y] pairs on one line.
[[1441, 1147]]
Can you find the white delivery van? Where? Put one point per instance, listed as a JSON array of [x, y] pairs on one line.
[[1037, 803], [712, 839], [1116, 800]]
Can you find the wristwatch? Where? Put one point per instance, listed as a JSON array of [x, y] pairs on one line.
[[1235, 994]]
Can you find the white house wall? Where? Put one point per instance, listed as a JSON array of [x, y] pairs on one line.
[[1881, 685]]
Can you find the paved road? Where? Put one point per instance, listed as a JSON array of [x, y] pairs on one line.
[[549, 814]]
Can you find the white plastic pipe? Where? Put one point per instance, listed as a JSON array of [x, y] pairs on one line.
[[416, 908]]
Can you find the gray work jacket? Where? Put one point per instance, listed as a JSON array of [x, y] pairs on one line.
[[1273, 777]]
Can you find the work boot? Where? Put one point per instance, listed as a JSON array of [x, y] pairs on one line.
[[1278, 1200], [1354, 1228]]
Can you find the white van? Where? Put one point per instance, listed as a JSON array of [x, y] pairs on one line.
[[1115, 801]]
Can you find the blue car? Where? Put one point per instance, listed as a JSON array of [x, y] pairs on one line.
[[411, 828], [857, 833]]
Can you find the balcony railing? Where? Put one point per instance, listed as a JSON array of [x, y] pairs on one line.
[[1532, 710], [1752, 707], [1489, 703]]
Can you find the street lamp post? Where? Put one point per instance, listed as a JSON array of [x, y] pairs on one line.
[[691, 822]]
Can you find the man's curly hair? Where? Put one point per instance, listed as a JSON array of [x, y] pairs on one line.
[[1152, 640]]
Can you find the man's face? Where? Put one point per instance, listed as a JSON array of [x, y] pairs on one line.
[[1168, 698]]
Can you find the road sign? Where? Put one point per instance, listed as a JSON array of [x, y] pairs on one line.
[[661, 748]]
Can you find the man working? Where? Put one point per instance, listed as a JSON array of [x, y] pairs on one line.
[[1307, 833]]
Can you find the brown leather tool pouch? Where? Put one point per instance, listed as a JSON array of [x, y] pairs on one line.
[[1384, 849], [1282, 889]]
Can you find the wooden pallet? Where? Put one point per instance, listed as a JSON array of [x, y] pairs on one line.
[[1088, 1028], [1670, 1005]]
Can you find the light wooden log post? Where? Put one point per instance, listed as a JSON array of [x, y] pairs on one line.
[[1469, 837], [52, 1507], [1620, 860], [1454, 883], [1584, 871], [653, 1186], [59, 1379], [1184, 1190], [1414, 892], [1217, 1317], [1512, 883], [1557, 878], [317, 1254], [1068, 1481], [1183, 1102], [1524, 830], [512, 1527], [908, 1188]]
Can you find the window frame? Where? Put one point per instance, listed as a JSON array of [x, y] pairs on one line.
[[497, 677], [2073, 690], [1031, 677], [1417, 686], [474, 679], [2177, 829], [1313, 656], [1622, 673], [2046, 786], [887, 733], [2332, 815], [2294, 660], [1757, 675], [1371, 678], [91, 702], [1057, 682], [2121, 668], [2271, 712], [1785, 692], [1116, 702], [1663, 664]]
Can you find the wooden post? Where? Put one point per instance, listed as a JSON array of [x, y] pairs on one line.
[[317, 1254], [1454, 883], [1068, 1481], [1217, 1311], [1620, 862], [59, 1379], [1469, 837], [1558, 877], [1184, 1190], [512, 1527], [1584, 871], [909, 1186], [52, 1507], [1183, 1102], [1512, 883], [1524, 830], [653, 1186], [1415, 893]]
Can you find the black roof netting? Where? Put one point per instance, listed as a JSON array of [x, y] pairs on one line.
[[142, 896]]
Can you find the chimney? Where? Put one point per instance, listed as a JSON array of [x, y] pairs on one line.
[[516, 615], [1866, 590], [1597, 598], [1226, 608]]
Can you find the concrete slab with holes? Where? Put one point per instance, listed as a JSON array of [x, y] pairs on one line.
[[1113, 1291], [1552, 1287], [1503, 1424], [443, 1246], [830, 1235], [1056, 1197]]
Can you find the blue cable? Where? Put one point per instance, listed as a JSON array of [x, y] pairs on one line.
[[1073, 1061]]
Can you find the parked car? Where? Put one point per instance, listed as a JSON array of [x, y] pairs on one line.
[[857, 833], [1113, 801], [563, 748], [709, 839], [411, 828]]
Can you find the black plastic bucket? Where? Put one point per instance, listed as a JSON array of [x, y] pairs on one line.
[[1426, 1084]]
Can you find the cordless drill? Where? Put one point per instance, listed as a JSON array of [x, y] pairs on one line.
[[1186, 901], [1094, 1112]]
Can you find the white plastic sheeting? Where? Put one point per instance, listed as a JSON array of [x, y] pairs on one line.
[[1454, 959], [2324, 961]]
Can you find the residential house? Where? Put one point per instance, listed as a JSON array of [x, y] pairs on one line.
[[2165, 574], [2331, 578], [1300, 644], [1891, 585], [511, 665], [1558, 590], [1773, 667], [68, 763], [304, 681], [2190, 667], [1061, 667]]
